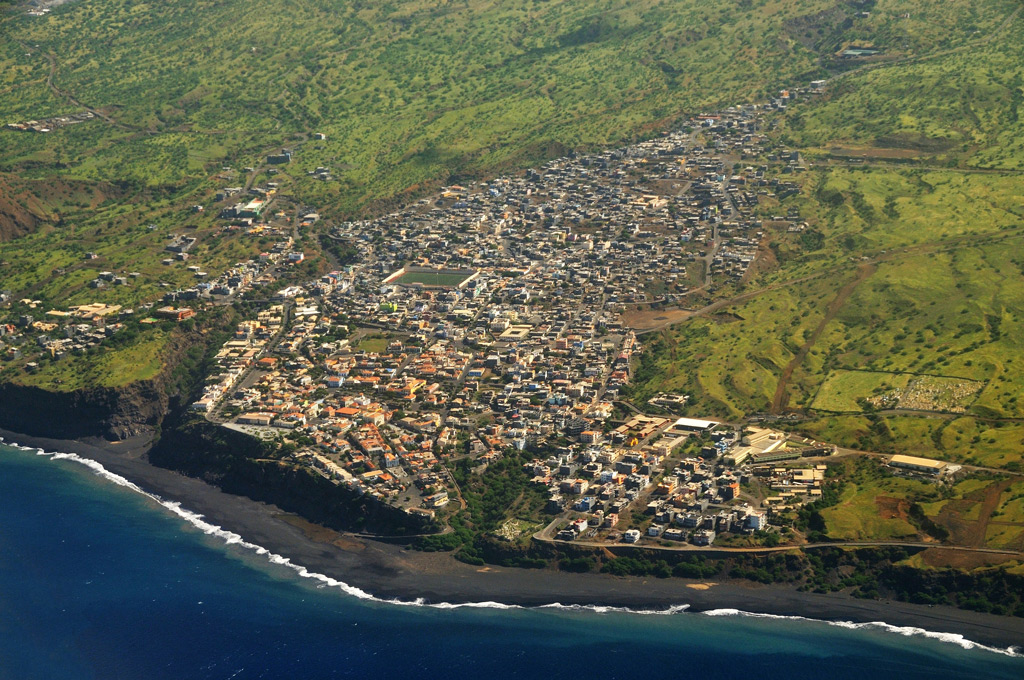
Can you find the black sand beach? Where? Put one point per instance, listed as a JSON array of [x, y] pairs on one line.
[[389, 571]]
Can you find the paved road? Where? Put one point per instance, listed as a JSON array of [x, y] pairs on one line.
[[544, 535]]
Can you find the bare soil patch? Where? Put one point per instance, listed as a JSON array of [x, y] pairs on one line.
[[642, 320]]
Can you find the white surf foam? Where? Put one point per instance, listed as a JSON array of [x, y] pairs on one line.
[[604, 609], [908, 631], [230, 538]]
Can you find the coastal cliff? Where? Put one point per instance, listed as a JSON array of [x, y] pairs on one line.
[[121, 412], [111, 413], [246, 466]]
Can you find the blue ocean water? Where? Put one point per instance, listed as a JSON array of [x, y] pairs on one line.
[[99, 581]]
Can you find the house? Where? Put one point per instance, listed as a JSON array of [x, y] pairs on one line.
[[175, 314], [706, 537]]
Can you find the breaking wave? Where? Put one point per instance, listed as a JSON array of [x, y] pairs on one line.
[[907, 631]]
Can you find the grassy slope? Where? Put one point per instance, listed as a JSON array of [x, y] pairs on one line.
[[139, 359], [945, 295], [404, 90], [408, 93]]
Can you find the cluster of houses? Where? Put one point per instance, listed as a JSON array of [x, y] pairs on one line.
[[493, 312], [642, 224], [258, 271], [52, 123], [640, 469], [60, 332]]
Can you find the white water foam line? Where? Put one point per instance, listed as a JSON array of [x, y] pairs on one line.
[[908, 631], [231, 538]]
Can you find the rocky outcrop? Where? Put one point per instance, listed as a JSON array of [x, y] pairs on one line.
[[244, 465], [111, 413]]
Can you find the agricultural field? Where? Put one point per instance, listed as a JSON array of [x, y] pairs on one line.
[[731, 365], [847, 391], [870, 512], [944, 309], [1011, 504], [887, 213], [966, 439], [843, 391]]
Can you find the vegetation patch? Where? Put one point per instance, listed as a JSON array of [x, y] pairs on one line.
[[377, 344]]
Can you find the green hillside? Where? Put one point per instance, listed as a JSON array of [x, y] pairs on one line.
[[913, 194], [411, 93]]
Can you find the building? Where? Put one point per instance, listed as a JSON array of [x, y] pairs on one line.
[[926, 465], [178, 314], [693, 425], [263, 419]]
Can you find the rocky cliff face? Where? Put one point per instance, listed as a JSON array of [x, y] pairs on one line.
[[112, 413], [244, 465], [117, 413]]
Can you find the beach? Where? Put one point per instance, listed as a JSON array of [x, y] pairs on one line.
[[390, 571]]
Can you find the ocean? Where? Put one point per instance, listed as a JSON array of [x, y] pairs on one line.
[[98, 580]]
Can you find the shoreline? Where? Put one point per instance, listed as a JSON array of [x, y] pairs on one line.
[[390, 572]]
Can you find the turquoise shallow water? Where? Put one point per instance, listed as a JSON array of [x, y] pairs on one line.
[[100, 581]]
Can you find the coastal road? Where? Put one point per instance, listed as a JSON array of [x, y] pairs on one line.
[[544, 536]]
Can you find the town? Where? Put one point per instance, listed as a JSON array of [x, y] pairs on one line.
[[491, 318], [501, 316]]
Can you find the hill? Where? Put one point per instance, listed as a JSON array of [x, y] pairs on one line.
[[909, 269]]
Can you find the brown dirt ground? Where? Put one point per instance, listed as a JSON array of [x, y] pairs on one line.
[[971, 532], [874, 152], [892, 508], [639, 320], [764, 262], [961, 559]]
